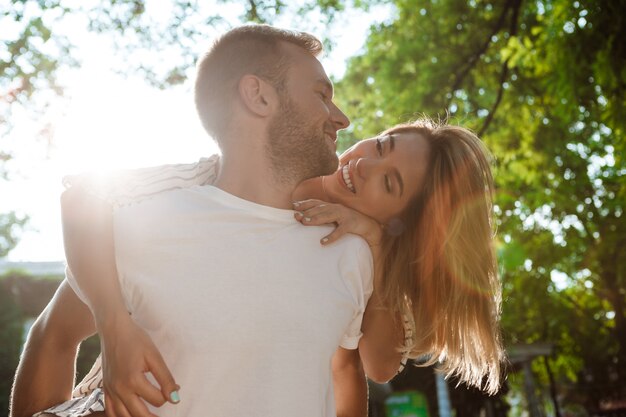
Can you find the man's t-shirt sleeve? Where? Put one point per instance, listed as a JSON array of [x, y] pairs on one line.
[[358, 274]]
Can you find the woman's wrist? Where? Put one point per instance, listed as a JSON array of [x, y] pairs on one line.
[[110, 319]]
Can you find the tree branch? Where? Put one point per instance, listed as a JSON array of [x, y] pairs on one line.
[[469, 62], [494, 107], [505, 69], [253, 13]]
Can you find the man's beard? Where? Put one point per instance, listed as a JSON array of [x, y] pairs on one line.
[[297, 149]]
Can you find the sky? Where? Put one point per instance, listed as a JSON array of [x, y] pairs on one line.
[[107, 121]]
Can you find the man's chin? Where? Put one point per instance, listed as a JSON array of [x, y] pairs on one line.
[[332, 166], [323, 170]]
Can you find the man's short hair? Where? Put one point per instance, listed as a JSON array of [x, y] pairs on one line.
[[249, 49]]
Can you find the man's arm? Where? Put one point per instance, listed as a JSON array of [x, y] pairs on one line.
[[349, 383], [45, 374]]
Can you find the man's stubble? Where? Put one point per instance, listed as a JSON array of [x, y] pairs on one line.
[[298, 150]]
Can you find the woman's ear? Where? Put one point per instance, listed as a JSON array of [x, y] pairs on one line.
[[258, 96]]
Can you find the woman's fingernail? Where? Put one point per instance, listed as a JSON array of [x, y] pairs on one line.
[[175, 397], [324, 240], [298, 214], [307, 219], [296, 204]]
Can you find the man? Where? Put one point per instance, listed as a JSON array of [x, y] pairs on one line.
[[245, 306]]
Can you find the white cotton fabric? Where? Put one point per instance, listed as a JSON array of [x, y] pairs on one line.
[[245, 304], [130, 186]]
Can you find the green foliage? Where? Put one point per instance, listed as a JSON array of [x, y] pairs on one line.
[[544, 85], [10, 226]]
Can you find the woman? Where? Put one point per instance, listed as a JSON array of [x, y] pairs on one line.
[[420, 195]]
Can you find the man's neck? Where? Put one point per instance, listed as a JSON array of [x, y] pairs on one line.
[[250, 177]]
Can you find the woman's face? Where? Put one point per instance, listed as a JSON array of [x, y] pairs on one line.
[[380, 176]]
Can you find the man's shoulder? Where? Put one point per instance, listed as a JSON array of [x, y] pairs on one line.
[[353, 247], [165, 202], [354, 242]]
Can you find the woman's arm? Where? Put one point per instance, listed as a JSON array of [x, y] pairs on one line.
[[382, 332], [127, 350], [88, 238], [382, 337], [350, 384]]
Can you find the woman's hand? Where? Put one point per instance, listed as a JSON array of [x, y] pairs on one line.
[[317, 212], [127, 354]]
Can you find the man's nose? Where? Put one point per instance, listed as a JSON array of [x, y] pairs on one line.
[[338, 118]]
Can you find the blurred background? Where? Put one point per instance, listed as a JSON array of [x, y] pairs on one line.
[[103, 85]]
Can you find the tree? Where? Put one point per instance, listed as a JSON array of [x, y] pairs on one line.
[[543, 83], [10, 226]]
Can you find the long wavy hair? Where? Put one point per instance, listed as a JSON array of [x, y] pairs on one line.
[[439, 259]]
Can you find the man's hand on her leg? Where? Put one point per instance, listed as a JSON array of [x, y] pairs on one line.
[[45, 374]]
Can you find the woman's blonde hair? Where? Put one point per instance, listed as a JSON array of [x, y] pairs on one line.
[[439, 259]]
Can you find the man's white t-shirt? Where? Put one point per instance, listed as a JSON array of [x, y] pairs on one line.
[[245, 305]]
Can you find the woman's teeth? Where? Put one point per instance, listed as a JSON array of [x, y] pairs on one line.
[[346, 178]]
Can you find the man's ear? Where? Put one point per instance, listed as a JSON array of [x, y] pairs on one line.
[[257, 95]]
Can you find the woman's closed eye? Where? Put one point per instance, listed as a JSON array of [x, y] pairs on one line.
[[388, 184], [379, 146]]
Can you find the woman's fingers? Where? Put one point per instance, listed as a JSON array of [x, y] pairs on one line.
[[162, 374], [144, 389], [333, 236], [320, 214], [137, 408], [307, 204], [316, 212], [115, 405], [317, 216], [346, 220], [132, 405]]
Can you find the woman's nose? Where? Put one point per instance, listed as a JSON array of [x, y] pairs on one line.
[[365, 167]]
